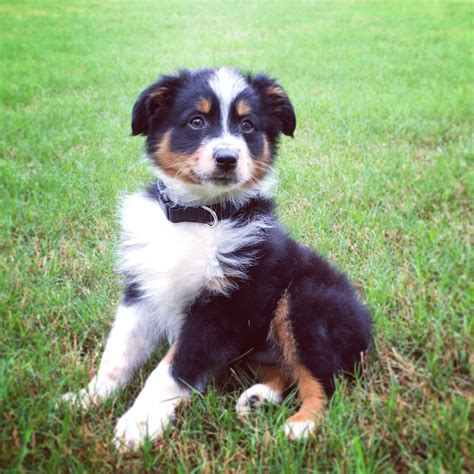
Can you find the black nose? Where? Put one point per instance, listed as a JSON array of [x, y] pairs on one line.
[[225, 160]]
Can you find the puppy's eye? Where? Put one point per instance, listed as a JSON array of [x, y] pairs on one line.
[[246, 126], [197, 123]]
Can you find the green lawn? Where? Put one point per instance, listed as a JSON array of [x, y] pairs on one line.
[[379, 177]]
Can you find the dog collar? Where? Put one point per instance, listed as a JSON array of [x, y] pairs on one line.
[[209, 215]]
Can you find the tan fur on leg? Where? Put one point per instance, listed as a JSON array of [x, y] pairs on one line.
[[272, 376], [313, 398], [310, 389]]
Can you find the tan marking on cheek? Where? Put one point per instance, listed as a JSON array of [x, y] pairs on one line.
[[176, 165], [243, 108], [260, 164], [203, 105]]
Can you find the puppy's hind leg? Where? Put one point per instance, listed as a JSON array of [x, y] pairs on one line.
[[313, 398], [132, 339], [322, 329], [310, 390]]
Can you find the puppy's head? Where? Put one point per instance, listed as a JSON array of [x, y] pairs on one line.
[[213, 128]]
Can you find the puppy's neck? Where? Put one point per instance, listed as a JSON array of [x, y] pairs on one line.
[[186, 194]]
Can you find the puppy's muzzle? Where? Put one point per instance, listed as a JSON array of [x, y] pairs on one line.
[[226, 159]]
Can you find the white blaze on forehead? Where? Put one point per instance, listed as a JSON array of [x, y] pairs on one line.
[[227, 84]]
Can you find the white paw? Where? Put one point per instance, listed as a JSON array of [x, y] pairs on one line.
[[141, 422], [82, 399], [299, 429], [254, 396], [97, 391]]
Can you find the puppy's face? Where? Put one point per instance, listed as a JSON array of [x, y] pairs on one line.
[[214, 128]]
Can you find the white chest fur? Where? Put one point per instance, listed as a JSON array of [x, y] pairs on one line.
[[173, 263]]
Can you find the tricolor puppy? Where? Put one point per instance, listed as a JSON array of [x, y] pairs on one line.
[[208, 267]]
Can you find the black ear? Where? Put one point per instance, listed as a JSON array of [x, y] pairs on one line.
[[276, 102], [155, 97]]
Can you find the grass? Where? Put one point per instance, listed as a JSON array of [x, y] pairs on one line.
[[379, 178]]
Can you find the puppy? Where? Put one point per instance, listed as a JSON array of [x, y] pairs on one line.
[[208, 267]]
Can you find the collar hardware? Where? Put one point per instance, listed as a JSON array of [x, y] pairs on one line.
[[210, 214], [213, 214]]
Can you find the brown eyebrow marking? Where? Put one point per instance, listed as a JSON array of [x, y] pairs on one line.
[[242, 107], [203, 105]]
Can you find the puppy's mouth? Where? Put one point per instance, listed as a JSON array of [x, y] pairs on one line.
[[219, 179], [223, 181]]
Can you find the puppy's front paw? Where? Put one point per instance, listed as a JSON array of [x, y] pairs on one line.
[[254, 397], [141, 422], [82, 399]]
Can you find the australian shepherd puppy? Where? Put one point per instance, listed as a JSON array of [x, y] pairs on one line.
[[208, 267]]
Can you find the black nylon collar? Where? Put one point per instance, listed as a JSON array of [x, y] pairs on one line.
[[210, 214]]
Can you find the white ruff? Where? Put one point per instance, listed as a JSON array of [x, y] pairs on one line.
[[173, 263]]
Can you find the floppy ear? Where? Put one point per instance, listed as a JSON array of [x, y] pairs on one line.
[[276, 102], [154, 98]]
